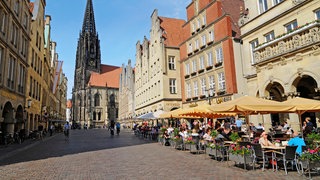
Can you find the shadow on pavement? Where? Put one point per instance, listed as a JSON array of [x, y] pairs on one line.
[[80, 141]]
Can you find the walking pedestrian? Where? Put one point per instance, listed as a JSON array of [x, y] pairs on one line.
[[66, 129]]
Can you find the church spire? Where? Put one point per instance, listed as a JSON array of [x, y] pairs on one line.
[[88, 20]]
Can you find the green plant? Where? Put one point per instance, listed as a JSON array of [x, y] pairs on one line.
[[163, 130], [234, 136], [313, 136], [311, 155], [214, 133], [189, 141], [214, 146], [240, 150], [176, 132]]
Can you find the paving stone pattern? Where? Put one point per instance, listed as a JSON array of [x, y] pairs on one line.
[[95, 154]]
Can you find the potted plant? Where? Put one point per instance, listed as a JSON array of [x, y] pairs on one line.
[[234, 137], [240, 154], [310, 158]]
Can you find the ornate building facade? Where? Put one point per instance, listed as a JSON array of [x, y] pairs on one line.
[[96, 86], [14, 42], [157, 70], [281, 51], [210, 60]]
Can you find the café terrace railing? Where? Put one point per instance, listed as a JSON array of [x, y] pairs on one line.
[[294, 41]]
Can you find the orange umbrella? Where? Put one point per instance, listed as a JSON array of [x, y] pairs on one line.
[[204, 110]]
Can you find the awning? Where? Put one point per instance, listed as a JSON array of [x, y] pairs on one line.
[[149, 115]]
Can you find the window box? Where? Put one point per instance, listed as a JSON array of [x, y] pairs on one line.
[[202, 96], [196, 50], [203, 26], [188, 99], [193, 73], [209, 43], [192, 33], [201, 71], [187, 76], [218, 64], [208, 68], [195, 98], [203, 46], [222, 92], [190, 53], [198, 29]]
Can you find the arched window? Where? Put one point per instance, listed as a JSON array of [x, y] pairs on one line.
[[99, 115], [96, 100], [112, 100], [94, 115]]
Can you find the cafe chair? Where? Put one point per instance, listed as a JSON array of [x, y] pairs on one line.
[[260, 155], [288, 156]]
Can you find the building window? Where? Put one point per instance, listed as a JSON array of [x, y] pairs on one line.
[[11, 71], [16, 7], [212, 85], [14, 34], [269, 36], [195, 89], [263, 6], [204, 41], [210, 59], [317, 13], [199, 23], [203, 86], [219, 55], [188, 90], [96, 100], [173, 86], [221, 82], [190, 47], [30, 86], [21, 79], [193, 27], [204, 20], [187, 72], [25, 20], [211, 36], [291, 26], [3, 16], [172, 64], [197, 44], [253, 45], [201, 62], [194, 66], [275, 2]]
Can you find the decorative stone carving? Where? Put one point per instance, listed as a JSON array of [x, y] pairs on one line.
[[316, 50], [300, 71], [296, 41], [270, 66], [281, 47], [283, 61], [298, 57]]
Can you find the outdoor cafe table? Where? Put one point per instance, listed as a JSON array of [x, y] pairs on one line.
[[274, 149]]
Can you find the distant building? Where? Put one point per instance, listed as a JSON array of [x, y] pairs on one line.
[[157, 69], [96, 86]]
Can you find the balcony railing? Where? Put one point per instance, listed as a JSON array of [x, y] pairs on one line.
[[296, 40]]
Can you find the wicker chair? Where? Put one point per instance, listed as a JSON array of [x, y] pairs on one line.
[[288, 156]]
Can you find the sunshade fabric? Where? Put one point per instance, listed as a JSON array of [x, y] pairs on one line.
[[252, 105], [147, 116], [303, 104]]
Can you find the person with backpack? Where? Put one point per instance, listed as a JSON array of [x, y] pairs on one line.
[[118, 128]]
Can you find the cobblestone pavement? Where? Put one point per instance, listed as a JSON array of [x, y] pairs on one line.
[[94, 154]]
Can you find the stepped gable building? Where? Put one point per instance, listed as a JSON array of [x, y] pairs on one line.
[[95, 91], [157, 70], [281, 52], [210, 57]]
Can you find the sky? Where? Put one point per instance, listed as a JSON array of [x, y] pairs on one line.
[[120, 24]]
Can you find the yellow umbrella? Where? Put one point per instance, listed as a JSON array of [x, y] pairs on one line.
[[204, 110], [303, 105]]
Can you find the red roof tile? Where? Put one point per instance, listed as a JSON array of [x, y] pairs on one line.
[[31, 6], [109, 77], [172, 30]]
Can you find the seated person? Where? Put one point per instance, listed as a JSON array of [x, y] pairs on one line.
[[207, 137], [226, 132], [297, 141], [264, 140]]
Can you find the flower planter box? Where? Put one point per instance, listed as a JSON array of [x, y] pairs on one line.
[[310, 164], [241, 159], [193, 148], [187, 146], [218, 153]]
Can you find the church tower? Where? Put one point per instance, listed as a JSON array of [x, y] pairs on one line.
[[88, 60]]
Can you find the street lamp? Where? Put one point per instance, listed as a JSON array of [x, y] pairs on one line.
[[209, 94], [29, 101]]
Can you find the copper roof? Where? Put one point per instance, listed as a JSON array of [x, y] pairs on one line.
[[109, 77], [172, 30]]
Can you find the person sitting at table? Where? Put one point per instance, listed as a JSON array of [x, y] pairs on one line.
[[226, 132], [207, 137], [297, 141], [264, 140]]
